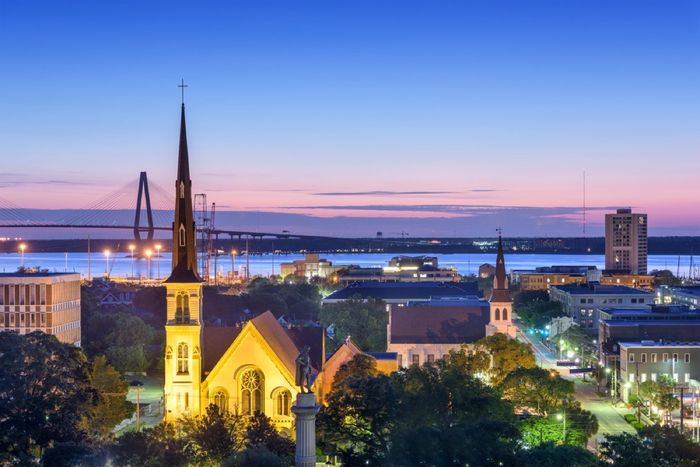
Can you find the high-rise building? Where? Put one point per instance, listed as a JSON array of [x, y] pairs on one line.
[[626, 242], [41, 301]]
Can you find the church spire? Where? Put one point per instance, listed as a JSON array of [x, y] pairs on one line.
[[184, 255], [500, 281]]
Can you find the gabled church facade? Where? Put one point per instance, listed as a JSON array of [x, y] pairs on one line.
[[244, 369]]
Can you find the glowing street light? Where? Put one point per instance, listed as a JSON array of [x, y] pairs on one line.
[[22, 247], [148, 256], [562, 417], [233, 264], [132, 247], [158, 247], [107, 253]]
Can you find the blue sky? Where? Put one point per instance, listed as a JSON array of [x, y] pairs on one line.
[[357, 108]]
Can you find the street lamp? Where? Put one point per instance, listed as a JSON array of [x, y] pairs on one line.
[[158, 258], [562, 417], [137, 386], [107, 253], [132, 247], [22, 247], [233, 264], [148, 257]]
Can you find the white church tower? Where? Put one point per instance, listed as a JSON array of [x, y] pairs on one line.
[[500, 302]]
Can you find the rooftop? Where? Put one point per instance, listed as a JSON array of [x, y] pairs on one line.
[[598, 289], [656, 322], [36, 274], [687, 290], [438, 325], [651, 343], [405, 290]]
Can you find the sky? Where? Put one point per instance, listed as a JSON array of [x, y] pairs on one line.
[[346, 118]]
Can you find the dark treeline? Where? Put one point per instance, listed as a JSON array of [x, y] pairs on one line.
[[408, 245]]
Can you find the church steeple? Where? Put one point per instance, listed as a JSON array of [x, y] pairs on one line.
[[184, 266], [500, 281]]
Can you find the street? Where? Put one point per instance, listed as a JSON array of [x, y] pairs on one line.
[[610, 418]]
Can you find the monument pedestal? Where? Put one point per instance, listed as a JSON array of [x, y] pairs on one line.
[[305, 411]]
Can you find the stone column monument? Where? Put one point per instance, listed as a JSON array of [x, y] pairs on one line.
[[305, 411]]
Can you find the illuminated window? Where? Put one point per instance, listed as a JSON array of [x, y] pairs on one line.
[[283, 401], [182, 359], [221, 401], [251, 383]]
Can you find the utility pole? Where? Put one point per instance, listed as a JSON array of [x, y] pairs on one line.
[[88, 252], [247, 259]]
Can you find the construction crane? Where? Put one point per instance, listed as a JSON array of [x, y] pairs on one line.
[[210, 247], [202, 221]]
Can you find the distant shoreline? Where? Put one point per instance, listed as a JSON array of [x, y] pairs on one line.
[[557, 245]]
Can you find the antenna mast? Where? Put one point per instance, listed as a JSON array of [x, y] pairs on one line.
[[584, 203]]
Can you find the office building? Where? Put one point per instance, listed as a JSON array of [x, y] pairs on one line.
[[648, 360], [582, 302], [654, 322], [41, 301], [626, 242]]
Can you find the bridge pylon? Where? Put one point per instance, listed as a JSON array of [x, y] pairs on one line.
[[143, 194]]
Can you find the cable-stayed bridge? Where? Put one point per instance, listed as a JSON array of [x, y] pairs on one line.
[[150, 209]]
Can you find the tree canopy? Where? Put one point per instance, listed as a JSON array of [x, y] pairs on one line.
[[654, 445], [365, 321], [537, 389], [504, 354], [436, 414], [45, 394]]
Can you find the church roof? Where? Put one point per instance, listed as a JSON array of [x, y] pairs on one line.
[[276, 337], [438, 325], [285, 343], [215, 341]]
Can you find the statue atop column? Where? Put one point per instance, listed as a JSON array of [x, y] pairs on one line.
[[303, 370]]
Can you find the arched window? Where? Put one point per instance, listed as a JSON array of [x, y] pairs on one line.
[[182, 309], [498, 314], [221, 400], [178, 309], [505, 314], [251, 383], [186, 307], [283, 402], [182, 359]]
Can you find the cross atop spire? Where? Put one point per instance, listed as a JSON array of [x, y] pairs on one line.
[[184, 254], [182, 86]]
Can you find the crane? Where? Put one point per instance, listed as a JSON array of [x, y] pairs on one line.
[[210, 239]]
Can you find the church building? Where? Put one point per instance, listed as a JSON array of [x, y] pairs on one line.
[[500, 303], [248, 368]]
